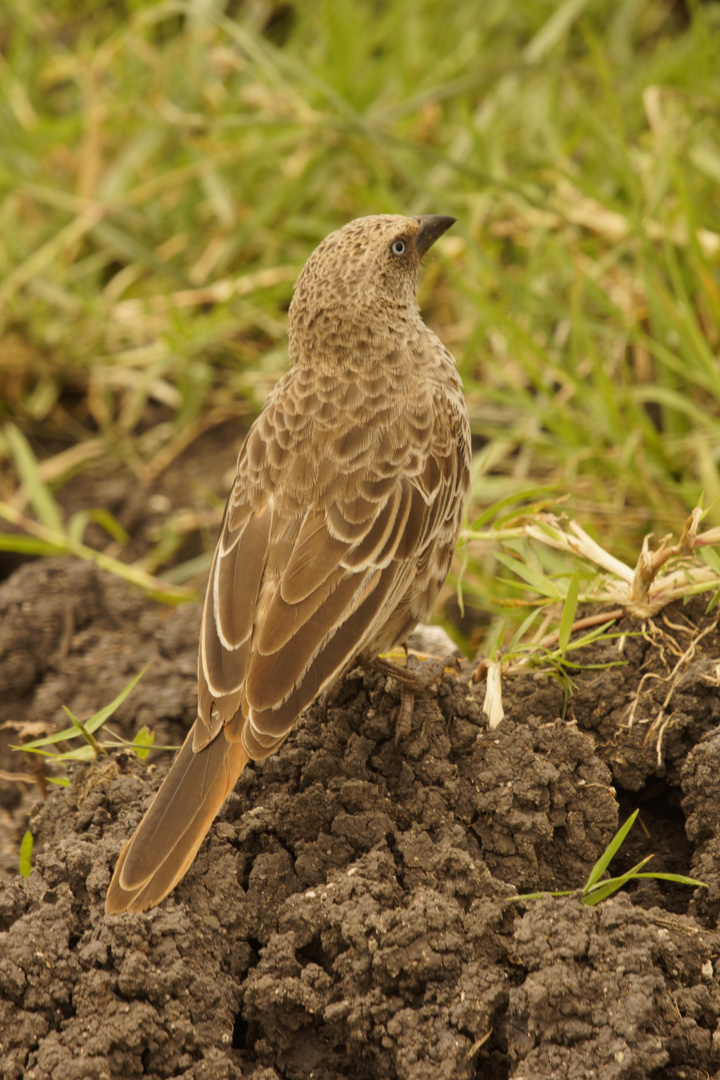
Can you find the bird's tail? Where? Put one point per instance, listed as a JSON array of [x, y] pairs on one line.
[[168, 837]]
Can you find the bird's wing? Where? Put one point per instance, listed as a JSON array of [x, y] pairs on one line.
[[292, 601]]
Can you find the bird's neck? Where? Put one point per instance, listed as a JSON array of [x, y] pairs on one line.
[[347, 342]]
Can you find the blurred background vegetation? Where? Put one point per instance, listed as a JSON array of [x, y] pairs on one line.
[[166, 168]]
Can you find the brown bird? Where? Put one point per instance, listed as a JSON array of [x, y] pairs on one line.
[[338, 533]]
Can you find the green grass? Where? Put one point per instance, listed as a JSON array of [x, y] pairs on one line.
[[597, 888], [165, 169], [88, 747]]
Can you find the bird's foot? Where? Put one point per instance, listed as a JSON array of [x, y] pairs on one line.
[[413, 679]]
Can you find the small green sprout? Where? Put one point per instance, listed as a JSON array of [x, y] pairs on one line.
[[25, 863], [90, 747], [595, 890]]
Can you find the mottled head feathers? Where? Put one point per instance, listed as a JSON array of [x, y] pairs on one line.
[[365, 269]]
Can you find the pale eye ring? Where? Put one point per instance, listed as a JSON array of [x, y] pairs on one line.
[[398, 247]]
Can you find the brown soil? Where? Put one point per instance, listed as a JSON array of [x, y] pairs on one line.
[[348, 915]]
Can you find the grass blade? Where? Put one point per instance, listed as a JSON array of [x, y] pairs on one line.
[[86, 728], [26, 847], [610, 852], [567, 620], [41, 498], [541, 584]]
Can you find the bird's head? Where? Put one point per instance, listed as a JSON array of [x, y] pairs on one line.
[[368, 267]]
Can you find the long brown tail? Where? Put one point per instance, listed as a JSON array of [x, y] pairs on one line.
[[168, 837]]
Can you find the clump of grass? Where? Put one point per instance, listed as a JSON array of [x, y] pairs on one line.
[[536, 601], [48, 534]]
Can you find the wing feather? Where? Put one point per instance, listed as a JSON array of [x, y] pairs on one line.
[[239, 570], [270, 726], [271, 676], [367, 549], [228, 619], [314, 557]]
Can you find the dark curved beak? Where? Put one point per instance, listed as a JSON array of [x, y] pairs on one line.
[[432, 226]]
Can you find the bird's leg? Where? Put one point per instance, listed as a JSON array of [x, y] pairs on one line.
[[413, 679], [404, 716], [407, 701]]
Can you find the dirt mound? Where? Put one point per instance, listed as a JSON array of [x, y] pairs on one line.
[[349, 914]]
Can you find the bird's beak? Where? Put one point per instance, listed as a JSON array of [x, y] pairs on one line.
[[432, 226]]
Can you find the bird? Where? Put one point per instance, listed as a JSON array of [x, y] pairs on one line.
[[338, 532]]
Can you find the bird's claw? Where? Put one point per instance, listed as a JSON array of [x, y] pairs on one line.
[[413, 680]]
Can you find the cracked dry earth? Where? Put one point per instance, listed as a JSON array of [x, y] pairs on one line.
[[348, 915]]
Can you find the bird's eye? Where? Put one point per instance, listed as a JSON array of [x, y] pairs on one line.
[[398, 247]]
